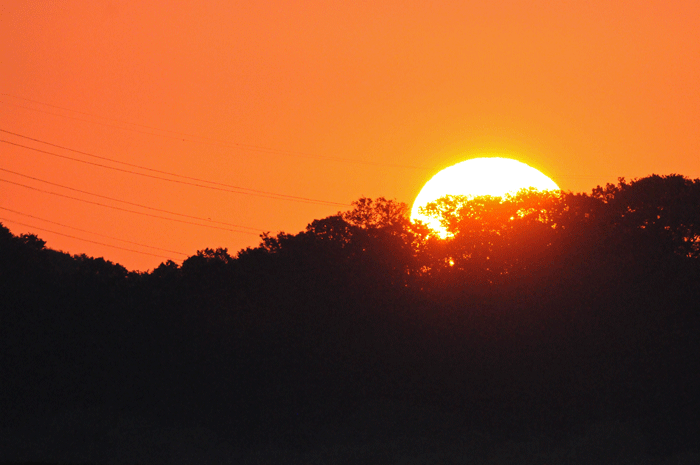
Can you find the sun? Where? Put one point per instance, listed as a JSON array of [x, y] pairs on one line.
[[493, 176]]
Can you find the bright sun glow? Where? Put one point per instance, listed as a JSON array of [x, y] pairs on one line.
[[476, 177]]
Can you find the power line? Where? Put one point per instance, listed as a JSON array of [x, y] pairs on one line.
[[199, 139], [215, 142], [91, 232], [90, 114], [246, 191], [87, 120], [84, 240], [125, 209], [178, 136], [128, 203], [155, 170]]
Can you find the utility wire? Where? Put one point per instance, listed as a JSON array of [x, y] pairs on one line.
[[139, 166], [129, 203], [91, 232], [242, 190], [177, 135], [90, 114], [90, 121], [199, 139], [124, 209], [84, 240]]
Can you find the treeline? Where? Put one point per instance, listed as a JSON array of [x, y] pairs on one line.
[[538, 314]]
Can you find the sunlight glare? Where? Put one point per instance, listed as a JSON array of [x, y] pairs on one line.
[[492, 176]]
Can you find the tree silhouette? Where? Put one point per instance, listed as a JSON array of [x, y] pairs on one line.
[[657, 212], [541, 313]]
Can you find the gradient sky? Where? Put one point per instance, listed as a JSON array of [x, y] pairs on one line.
[[323, 100]]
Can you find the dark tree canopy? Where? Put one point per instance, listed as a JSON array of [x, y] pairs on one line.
[[540, 314]]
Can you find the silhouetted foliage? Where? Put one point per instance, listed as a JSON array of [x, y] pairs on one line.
[[541, 313]]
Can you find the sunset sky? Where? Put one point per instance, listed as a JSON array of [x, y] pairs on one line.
[[311, 105]]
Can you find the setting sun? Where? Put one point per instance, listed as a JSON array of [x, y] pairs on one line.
[[476, 177]]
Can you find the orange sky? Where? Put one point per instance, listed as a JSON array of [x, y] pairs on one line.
[[324, 100]]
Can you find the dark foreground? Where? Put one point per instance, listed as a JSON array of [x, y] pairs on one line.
[[547, 331]]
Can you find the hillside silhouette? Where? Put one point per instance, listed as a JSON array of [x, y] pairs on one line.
[[544, 324]]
